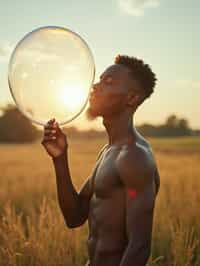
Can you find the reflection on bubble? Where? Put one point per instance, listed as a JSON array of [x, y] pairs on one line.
[[50, 74]]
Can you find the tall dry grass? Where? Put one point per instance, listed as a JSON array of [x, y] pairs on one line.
[[32, 230]]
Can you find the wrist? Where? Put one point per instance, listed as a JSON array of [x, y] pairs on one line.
[[60, 157]]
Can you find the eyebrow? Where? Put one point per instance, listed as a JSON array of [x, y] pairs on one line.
[[105, 76]]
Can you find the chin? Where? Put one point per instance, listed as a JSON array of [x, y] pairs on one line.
[[92, 114]]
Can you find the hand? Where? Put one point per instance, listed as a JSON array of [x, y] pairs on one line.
[[54, 140]]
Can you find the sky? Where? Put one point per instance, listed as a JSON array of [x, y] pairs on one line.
[[165, 34]]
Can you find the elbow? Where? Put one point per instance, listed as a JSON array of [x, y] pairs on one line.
[[70, 224], [73, 224], [72, 218]]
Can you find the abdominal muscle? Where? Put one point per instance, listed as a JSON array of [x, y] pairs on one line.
[[107, 238]]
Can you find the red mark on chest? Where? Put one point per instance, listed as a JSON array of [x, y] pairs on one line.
[[132, 193]]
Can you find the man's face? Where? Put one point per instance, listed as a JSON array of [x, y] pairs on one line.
[[109, 95]]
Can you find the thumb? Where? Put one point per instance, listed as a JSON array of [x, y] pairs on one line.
[[57, 128]]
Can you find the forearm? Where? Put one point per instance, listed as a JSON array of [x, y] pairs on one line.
[[134, 256], [69, 200]]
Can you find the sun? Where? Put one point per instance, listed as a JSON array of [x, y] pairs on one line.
[[72, 96]]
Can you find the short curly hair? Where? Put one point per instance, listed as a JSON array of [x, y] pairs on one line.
[[141, 72]]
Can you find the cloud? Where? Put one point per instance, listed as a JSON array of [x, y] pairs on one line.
[[137, 7]]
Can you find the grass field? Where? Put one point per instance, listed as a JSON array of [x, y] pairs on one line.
[[32, 230]]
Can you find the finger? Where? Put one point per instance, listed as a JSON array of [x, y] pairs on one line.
[[49, 127], [49, 135], [48, 138], [49, 132], [51, 121], [56, 127], [53, 128]]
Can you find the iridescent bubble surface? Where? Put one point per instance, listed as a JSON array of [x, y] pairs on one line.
[[50, 75]]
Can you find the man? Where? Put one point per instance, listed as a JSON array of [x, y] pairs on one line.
[[118, 198]]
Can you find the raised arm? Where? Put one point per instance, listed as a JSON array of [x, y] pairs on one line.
[[74, 205], [136, 171]]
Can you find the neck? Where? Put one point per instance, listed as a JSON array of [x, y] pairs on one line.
[[120, 129]]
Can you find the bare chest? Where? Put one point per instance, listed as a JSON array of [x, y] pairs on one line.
[[106, 178]]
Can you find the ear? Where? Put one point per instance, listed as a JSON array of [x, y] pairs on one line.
[[133, 99]]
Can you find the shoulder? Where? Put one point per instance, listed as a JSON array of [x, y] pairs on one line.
[[135, 155], [135, 164]]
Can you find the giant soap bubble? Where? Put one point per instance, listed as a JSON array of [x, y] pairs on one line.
[[51, 71]]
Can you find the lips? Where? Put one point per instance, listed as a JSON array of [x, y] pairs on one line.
[[92, 96]]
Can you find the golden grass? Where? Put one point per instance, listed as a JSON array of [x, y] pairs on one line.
[[32, 229]]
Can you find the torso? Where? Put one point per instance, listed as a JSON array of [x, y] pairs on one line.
[[107, 219]]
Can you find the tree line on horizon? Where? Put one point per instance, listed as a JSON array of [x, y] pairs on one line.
[[15, 127]]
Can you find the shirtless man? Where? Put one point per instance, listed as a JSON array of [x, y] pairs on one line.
[[118, 198]]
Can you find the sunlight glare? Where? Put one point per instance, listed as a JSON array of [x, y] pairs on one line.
[[72, 96]]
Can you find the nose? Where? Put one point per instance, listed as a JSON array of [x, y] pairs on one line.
[[95, 87]]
